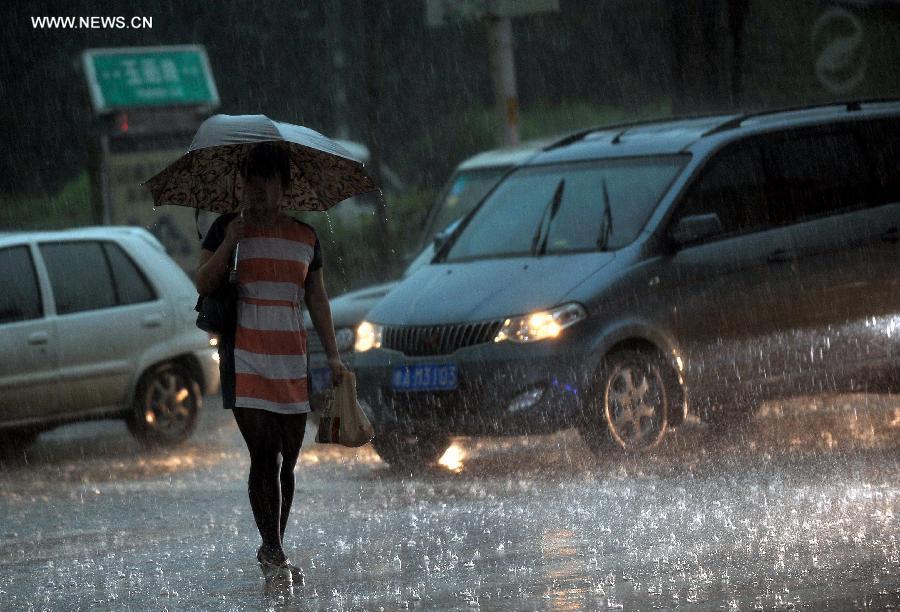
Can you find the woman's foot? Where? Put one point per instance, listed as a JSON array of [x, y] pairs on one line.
[[296, 574], [275, 567]]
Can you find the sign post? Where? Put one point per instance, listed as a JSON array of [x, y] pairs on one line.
[[150, 101]]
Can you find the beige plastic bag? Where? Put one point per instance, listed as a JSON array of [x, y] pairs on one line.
[[343, 420]]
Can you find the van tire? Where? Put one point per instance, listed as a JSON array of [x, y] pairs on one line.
[[166, 405], [410, 451], [628, 408]]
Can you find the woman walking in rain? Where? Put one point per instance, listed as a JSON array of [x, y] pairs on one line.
[[263, 363]]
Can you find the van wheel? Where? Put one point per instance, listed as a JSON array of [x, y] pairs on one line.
[[628, 408], [166, 405], [410, 451]]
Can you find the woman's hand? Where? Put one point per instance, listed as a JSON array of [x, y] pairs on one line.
[[214, 265], [235, 231], [320, 312], [337, 370]]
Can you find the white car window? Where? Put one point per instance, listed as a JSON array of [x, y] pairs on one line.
[[131, 284], [20, 297], [80, 276]]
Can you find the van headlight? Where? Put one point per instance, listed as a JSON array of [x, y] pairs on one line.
[[368, 336], [540, 325]]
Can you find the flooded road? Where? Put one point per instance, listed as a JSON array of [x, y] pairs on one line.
[[799, 510]]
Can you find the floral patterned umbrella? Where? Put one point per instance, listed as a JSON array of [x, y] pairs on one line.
[[208, 176]]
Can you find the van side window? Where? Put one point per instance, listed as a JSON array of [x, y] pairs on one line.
[[80, 276], [814, 173], [731, 187], [131, 284], [20, 295], [881, 140]]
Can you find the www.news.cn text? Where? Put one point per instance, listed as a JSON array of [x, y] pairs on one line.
[[92, 23]]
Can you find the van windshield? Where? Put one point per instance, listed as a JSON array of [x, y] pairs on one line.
[[464, 190], [597, 205]]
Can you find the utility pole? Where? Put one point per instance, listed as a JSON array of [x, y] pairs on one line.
[[340, 108], [373, 14], [497, 14], [707, 54], [503, 75]]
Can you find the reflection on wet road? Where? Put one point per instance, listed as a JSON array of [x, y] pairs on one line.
[[798, 509]]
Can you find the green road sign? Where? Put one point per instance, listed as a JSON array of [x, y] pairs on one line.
[[134, 77]]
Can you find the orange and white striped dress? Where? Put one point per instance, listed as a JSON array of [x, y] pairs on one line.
[[270, 340]]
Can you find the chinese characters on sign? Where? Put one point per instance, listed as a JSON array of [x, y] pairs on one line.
[[141, 77]]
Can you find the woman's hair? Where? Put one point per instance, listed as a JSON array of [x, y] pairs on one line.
[[266, 160]]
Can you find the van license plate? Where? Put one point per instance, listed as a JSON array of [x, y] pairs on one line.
[[425, 377]]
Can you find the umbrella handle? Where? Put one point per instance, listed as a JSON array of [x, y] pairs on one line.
[[233, 273]]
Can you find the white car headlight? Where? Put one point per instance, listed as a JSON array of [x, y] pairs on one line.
[[345, 337], [540, 325], [368, 336]]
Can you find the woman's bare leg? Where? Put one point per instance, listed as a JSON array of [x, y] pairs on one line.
[[293, 426], [261, 432]]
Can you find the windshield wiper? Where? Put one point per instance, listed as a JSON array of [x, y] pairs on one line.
[[552, 208], [607, 225]]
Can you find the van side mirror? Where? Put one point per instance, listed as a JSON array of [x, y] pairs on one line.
[[695, 228], [441, 238]]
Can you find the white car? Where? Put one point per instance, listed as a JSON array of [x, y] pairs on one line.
[[99, 323]]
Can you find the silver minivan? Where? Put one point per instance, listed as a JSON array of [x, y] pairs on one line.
[[627, 275], [99, 323]]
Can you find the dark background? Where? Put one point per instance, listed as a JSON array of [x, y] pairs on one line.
[[591, 60]]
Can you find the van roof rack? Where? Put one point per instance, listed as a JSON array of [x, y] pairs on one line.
[[576, 136], [849, 105], [730, 123], [622, 128]]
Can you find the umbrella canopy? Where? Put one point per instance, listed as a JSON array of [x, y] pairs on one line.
[[208, 176]]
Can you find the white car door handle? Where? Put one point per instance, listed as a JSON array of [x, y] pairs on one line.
[[38, 338], [152, 321]]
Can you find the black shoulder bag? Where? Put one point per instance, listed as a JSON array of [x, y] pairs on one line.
[[217, 312]]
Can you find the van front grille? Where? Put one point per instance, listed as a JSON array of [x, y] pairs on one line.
[[439, 339]]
